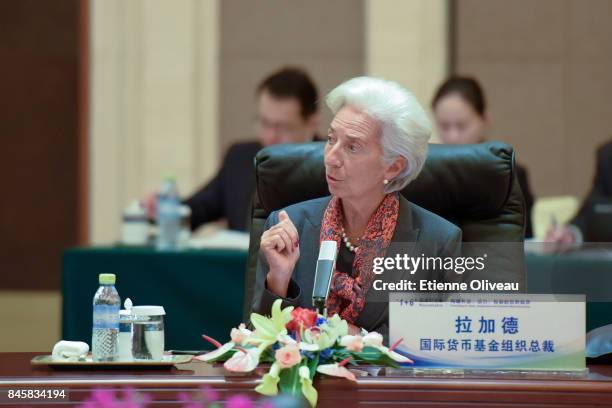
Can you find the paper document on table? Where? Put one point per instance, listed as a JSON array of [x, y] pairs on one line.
[[222, 239]]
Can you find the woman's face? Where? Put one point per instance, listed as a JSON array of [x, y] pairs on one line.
[[457, 121], [353, 156]]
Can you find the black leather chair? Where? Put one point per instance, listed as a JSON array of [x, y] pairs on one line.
[[473, 186]]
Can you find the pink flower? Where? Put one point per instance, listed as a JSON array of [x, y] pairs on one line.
[[315, 333], [301, 317], [204, 398], [288, 356], [209, 393], [352, 343], [103, 398], [133, 399], [240, 333], [239, 401]]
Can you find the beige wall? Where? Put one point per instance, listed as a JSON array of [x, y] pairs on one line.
[[173, 82], [154, 89], [30, 320], [407, 41], [259, 36], [545, 66]]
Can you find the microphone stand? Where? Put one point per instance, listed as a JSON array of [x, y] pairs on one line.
[[319, 304]]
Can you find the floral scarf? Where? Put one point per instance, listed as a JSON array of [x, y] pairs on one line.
[[347, 294]]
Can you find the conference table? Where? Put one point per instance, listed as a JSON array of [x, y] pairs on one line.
[[200, 289], [382, 388]]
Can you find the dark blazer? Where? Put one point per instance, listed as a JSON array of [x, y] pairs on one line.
[[602, 185], [431, 234], [228, 194], [523, 180]]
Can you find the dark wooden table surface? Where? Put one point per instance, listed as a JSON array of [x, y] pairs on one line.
[[384, 389]]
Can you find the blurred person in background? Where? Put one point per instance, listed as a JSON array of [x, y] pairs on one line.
[[287, 112], [460, 114], [601, 189]]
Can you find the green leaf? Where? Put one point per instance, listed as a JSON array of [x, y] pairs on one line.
[[367, 354], [388, 361], [290, 381], [371, 355], [308, 391], [340, 354], [269, 382], [223, 357], [267, 356], [312, 365], [264, 327]]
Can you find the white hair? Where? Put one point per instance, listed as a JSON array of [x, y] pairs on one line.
[[406, 129]]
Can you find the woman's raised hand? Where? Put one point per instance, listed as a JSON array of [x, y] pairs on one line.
[[280, 246]]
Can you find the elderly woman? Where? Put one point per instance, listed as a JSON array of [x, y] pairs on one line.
[[376, 145]]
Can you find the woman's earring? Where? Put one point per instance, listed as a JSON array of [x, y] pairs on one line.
[[385, 181]]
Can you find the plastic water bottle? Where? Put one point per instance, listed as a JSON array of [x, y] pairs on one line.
[[168, 216], [106, 305]]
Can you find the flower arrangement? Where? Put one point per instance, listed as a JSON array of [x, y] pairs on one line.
[[298, 343]]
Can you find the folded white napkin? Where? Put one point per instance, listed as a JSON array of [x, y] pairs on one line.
[[70, 350]]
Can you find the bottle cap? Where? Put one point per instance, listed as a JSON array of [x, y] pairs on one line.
[[185, 211], [107, 279], [128, 308], [148, 311], [135, 209]]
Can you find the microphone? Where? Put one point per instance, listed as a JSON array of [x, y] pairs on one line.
[[326, 264]]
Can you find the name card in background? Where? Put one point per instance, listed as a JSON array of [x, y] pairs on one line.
[[491, 331]]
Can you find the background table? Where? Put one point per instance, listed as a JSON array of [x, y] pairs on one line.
[[585, 272], [386, 389], [201, 290]]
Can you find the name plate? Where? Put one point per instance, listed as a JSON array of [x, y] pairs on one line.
[[491, 331]]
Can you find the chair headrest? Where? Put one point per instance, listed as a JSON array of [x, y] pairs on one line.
[[457, 181]]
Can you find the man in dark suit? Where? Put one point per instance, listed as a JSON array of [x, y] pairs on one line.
[[287, 112], [602, 188]]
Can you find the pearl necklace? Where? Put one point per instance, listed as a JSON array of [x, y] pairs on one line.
[[347, 242]]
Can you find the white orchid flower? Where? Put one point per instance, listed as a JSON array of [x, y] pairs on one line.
[[214, 355], [373, 339], [304, 345], [241, 334], [336, 370], [352, 343], [244, 360]]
